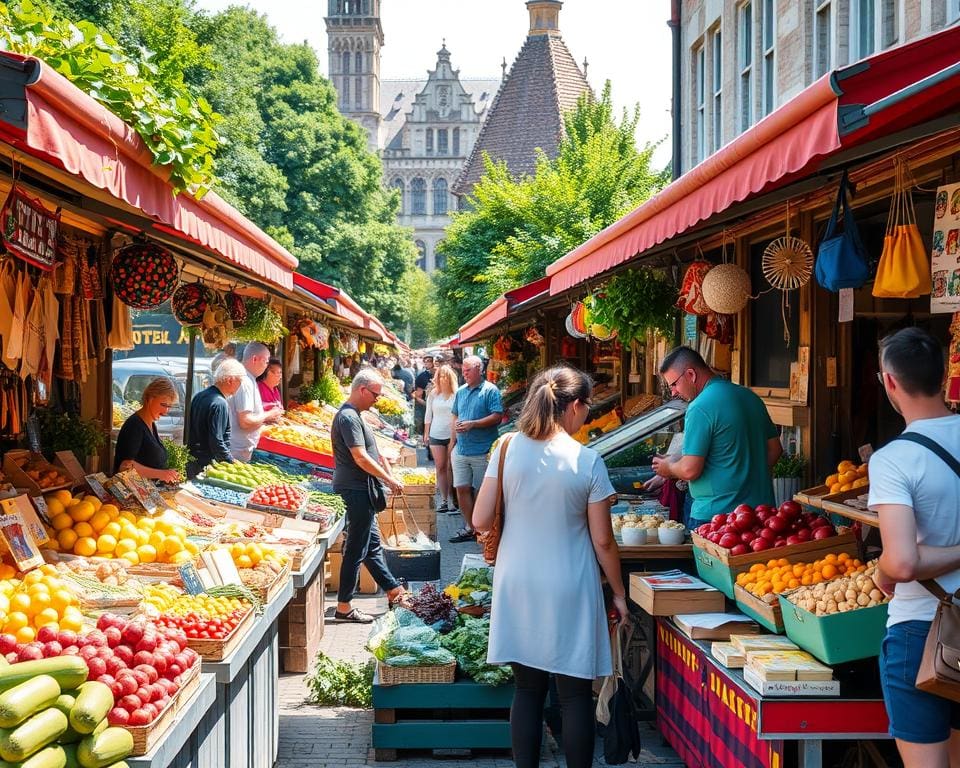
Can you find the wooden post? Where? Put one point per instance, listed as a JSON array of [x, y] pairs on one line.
[[188, 384]]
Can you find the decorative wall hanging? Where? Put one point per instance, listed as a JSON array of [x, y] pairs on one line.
[[144, 275], [787, 265], [189, 302], [726, 289], [236, 307], [30, 231], [691, 299]]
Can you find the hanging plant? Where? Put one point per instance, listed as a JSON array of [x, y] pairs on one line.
[[263, 324], [634, 302], [144, 275]]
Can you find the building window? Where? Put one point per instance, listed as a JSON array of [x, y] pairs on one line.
[[439, 261], [890, 23], [429, 141], [874, 25], [345, 63], [358, 62], [418, 197], [366, 7], [442, 145], [456, 142], [421, 250], [745, 60], [822, 38], [699, 85], [440, 197], [346, 93], [397, 184], [953, 11], [769, 38], [717, 91], [358, 93]]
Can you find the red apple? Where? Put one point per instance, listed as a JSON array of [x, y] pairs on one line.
[[793, 539], [747, 536], [759, 544], [790, 510], [777, 524], [740, 549], [824, 532], [766, 533], [718, 519], [46, 634], [744, 520], [804, 534], [729, 540]]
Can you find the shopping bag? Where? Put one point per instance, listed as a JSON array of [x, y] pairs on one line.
[[904, 268], [841, 258], [621, 739], [608, 688], [490, 541]]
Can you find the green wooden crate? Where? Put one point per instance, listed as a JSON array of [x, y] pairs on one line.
[[440, 716], [714, 571], [839, 637]]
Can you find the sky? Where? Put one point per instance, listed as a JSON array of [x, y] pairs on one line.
[[627, 43]]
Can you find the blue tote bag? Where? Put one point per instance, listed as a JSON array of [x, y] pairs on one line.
[[841, 258]]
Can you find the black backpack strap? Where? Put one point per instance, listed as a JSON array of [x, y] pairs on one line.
[[938, 449]]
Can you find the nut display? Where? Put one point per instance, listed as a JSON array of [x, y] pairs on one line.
[[847, 593]]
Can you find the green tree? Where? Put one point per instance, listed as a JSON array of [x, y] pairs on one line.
[[515, 228], [422, 314]]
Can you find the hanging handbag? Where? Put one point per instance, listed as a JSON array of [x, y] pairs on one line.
[[904, 268], [841, 258], [491, 539], [378, 495], [939, 671]]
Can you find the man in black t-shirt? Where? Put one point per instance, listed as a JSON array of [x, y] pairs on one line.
[[420, 395], [210, 418], [356, 459]]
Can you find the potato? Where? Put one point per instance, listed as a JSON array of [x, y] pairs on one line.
[[821, 606], [831, 605], [876, 596], [842, 607], [863, 600]]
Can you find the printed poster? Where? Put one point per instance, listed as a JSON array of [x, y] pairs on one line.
[[945, 262]]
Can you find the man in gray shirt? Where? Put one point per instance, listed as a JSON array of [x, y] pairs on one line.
[[356, 460]]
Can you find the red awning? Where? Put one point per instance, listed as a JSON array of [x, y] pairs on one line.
[[528, 292], [502, 308], [70, 130], [340, 303], [832, 114]]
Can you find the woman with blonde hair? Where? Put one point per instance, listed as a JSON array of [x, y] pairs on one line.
[[548, 614], [138, 444], [437, 426]]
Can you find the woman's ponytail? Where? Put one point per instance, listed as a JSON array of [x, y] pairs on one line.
[[548, 397]]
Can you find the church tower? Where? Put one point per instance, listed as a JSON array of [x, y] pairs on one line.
[[354, 39]]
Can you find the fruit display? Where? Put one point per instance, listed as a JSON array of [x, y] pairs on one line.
[[754, 530], [416, 475], [388, 406], [223, 495], [39, 599], [44, 474], [632, 520], [202, 617], [600, 425], [302, 437], [48, 708], [847, 477], [248, 476], [766, 580], [312, 414], [280, 496], [82, 525], [847, 593], [252, 555]]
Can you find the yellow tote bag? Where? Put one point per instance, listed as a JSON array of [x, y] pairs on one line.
[[904, 268]]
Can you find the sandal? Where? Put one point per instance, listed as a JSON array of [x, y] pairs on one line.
[[463, 535], [353, 616], [402, 599]]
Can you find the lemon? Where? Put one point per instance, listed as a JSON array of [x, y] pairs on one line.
[[181, 557], [147, 553], [99, 521], [191, 547], [83, 530], [131, 557], [143, 537], [172, 545], [62, 521], [127, 515], [157, 539], [86, 546], [82, 511], [244, 561], [26, 635], [106, 543], [64, 497], [54, 506], [73, 622], [112, 529], [125, 545], [146, 523]]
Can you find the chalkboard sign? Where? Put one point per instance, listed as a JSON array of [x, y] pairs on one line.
[[190, 578]]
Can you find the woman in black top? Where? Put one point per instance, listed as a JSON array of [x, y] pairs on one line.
[[138, 444]]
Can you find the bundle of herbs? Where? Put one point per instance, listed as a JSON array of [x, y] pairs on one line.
[[340, 683], [468, 643]]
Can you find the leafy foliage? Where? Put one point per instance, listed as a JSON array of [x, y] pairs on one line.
[[63, 431], [790, 465], [468, 643], [178, 455], [516, 228], [634, 302], [263, 324], [326, 389], [340, 683], [178, 128], [422, 315]]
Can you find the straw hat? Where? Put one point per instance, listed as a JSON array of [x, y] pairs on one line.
[[726, 289]]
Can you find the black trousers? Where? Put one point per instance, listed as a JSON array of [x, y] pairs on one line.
[[526, 717], [361, 545]]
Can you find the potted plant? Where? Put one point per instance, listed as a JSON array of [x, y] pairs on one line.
[[63, 431], [787, 473]]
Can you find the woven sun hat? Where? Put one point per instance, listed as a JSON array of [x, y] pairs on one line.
[[726, 289]]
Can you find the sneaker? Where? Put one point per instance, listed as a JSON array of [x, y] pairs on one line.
[[463, 535], [443, 508]]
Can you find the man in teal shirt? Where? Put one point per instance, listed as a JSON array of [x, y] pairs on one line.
[[730, 443]]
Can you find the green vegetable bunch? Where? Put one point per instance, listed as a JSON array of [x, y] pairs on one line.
[[178, 455], [262, 324], [340, 683], [469, 644], [67, 432], [790, 465], [326, 389], [634, 302], [179, 128]]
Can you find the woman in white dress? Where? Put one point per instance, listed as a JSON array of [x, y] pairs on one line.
[[438, 426], [548, 615]]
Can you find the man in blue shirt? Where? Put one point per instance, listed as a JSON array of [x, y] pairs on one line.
[[477, 410], [730, 444]]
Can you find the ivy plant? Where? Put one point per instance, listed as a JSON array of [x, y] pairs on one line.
[[634, 302], [178, 128]]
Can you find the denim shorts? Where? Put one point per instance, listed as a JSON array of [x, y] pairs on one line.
[[916, 716], [468, 470]]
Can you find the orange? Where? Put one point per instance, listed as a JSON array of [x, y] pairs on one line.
[[86, 546], [61, 521], [831, 558], [67, 538], [83, 530], [26, 635], [64, 497], [793, 583], [147, 553], [15, 621], [7, 571], [99, 520], [20, 602], [831, 479], [82, 511]]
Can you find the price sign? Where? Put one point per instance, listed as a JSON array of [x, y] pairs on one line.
[[191, 578], [41, 505], [97, 483], [30, 231], [143, 490]]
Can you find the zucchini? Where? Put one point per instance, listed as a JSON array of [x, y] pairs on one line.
[[70, 751], [68, 671], [105, 749], [21, 701], [94, 702], [29, 737], [48, 757], [65, 703], [70, 736]]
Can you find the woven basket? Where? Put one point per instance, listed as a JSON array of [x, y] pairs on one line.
[[640, 404], [726, 289], [439, 673]]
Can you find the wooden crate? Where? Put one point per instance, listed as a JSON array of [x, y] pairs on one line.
[[367, 585], [427, 522], [145, 737], [218, 650], [668, 602], [769, 615], [428, 716]]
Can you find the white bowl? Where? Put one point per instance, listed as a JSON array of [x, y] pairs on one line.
[[652, 535], [634, 537], [671, 535]]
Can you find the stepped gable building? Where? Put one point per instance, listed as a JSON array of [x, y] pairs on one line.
[[424, 129], [544, 83]]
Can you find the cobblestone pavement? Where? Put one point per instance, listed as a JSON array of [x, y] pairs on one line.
[[328, 737]]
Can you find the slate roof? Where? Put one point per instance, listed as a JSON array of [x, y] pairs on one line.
[[396, 101], [544, 83]]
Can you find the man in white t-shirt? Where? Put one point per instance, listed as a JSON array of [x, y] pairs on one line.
[[915, 492], [247, 416]]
